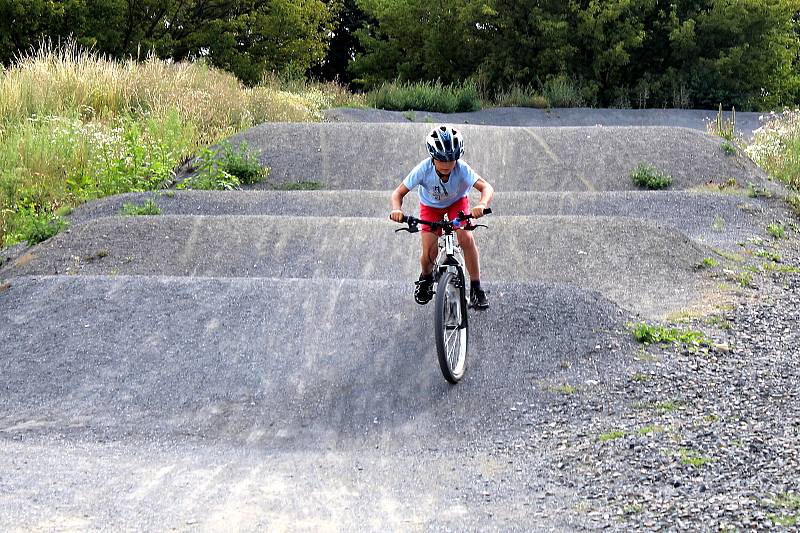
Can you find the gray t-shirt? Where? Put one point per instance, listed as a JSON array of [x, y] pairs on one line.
[[435, 193]]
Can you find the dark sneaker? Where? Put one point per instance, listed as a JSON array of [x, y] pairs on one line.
[[424, 291], [477, 298]]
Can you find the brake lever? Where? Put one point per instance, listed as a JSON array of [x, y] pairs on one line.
[[410, 230], [472, 227]]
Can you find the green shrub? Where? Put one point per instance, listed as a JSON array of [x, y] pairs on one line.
[[228, 169], [561, 91], [649, 177], [242, 163], [34, 226]]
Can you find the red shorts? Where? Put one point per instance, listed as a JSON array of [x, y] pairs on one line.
[[436, 214]]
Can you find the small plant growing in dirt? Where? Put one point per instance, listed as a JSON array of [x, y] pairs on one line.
[[653, 334], [768, 254], [649, 177], [611, 435], [707, 262], [725, 128], [728, 147], [777, 230], [755, 191], [147, 208], [693, 458], [300, 186]]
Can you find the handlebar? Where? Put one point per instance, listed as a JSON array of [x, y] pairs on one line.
[[413, 222]]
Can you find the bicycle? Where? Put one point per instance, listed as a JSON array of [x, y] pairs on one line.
[[451, 326]]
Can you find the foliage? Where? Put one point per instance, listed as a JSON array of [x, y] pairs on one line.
[[647, 334], [33, 225], [518, 96], [426, 96], [776, 229], [776, 147], [622, 53], [301, 185], [708, 262], [246, 37], [75, 126], [794, 203], [147, 208], [648, 176], [226, 169]]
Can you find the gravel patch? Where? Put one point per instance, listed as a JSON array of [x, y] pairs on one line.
[[704, 438]]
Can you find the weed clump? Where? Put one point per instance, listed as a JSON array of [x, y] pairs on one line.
[[227, 169], [649, 177], [148, 208], [648, 334]]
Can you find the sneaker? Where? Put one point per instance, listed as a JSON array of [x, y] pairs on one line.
[[477, 298], [424, 291]]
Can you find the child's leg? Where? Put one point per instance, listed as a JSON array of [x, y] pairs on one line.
[[471, 254], [430, 249]]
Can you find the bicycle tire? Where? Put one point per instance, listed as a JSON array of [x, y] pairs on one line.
[[451, 327]]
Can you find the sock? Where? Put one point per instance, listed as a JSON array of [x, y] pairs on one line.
[[475, 284], [429, 277]]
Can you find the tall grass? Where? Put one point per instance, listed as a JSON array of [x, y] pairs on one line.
[[426, 96], [776, 147], [76, 125]]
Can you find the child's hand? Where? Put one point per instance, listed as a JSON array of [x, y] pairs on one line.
[[477, 211], [396, 215]]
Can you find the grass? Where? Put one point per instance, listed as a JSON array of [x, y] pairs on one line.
[[793, 200], [647, 430], [76, 126], [789, 503], [564, 388], [707, 262], [768, 254], [776, 147], [693, 458], [611, 435], [425, 96], [300, 185], [148, 208], [649, 177], [518, 96], [777, 230], [654, 334], [668, 406]]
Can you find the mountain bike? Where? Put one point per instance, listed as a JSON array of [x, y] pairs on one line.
[[451, 324]]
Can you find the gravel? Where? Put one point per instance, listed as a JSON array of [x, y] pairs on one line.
[[696, 439]]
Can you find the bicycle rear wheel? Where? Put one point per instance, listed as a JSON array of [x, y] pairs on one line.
[[451, 327]]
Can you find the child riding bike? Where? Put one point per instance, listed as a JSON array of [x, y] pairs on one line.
[[444, 183]]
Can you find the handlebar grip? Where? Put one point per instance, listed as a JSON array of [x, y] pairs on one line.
[[487, 211]]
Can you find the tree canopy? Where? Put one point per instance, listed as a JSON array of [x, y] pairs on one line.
[[638, 53]]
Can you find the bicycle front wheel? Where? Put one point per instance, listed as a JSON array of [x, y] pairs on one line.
[[451, 327]]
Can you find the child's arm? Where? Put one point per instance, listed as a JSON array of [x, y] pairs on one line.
[[397, 203], [487, 191]]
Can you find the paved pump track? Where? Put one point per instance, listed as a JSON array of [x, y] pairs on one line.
[[255, 360]]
